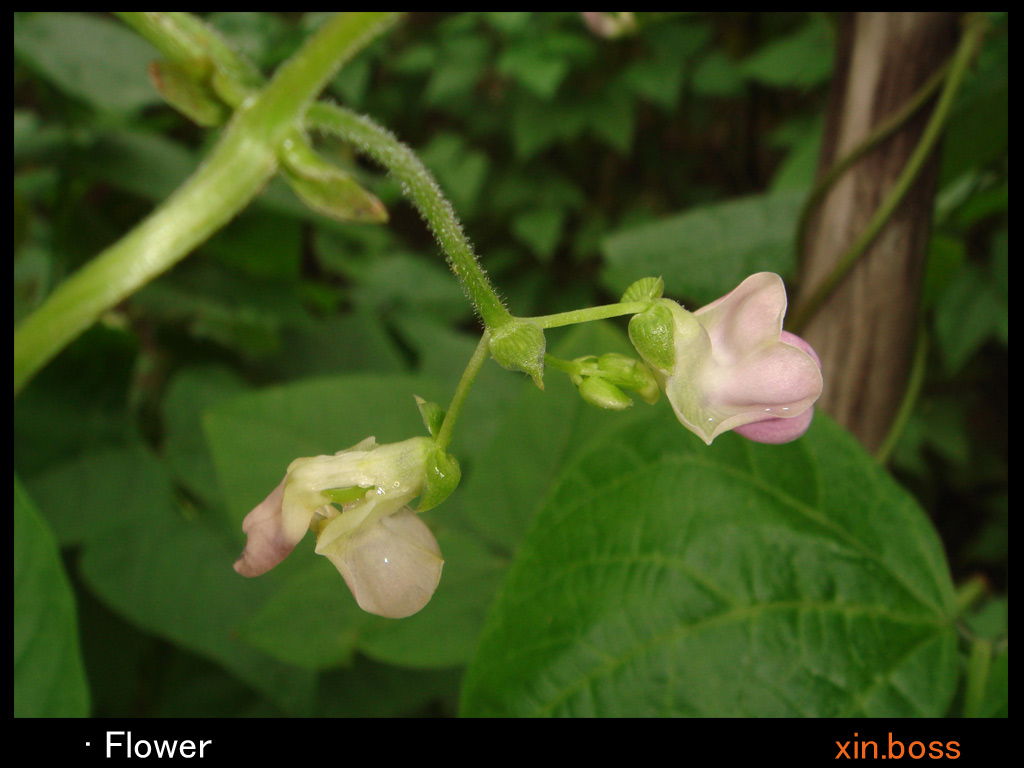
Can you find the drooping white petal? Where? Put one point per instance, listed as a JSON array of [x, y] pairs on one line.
[[392, 566]]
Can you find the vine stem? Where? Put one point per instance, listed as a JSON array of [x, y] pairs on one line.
[[419, 186], [241, 163], [906, 409], [957, 69], [444, 434]]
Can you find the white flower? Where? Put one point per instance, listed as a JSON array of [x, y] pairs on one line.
[[387, 555]]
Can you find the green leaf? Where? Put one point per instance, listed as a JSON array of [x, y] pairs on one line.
[[311, 621], [704, 253], [326, 188], [49, 679], [665, 578], [541, 230], [189, 394], [802, 59], [84, 497], [718, 75], [969, 313], [460, 169], [191, 96], [534, 67], [407, 281], [173, 577], [164, 573], [94, 59]]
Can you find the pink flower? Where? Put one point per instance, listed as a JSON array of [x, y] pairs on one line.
[[730, 365]]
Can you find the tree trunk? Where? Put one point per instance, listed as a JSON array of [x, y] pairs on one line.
[[865, 332]]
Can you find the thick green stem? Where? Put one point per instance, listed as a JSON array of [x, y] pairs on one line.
[[420, 187], [444, 434], [236, 170]]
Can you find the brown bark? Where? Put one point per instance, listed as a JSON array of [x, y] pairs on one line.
[[865, 332]]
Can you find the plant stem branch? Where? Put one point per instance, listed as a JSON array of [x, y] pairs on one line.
[[444, 434], [589, 314], [420, 187], [241, 163]]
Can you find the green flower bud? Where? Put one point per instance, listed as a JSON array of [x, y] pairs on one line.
[[519, 346], [653, 334], [604, 394], [630, 373]]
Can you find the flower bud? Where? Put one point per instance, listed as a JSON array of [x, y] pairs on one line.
[[604, 394], [631, 374]]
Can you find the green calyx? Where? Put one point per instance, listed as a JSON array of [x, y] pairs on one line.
[[441, 479], [653, 334], [519, 346], [432, 413]]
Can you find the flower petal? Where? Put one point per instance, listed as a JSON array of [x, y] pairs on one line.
[[747, 319], [267, 542], [781, 429], [392, 566]]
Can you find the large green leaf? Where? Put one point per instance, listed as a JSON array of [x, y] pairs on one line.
[[49, 680], [706, 252], [163, 572], [94, 59], [663, 577]]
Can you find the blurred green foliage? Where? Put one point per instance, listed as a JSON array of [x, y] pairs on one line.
[[577, 164]]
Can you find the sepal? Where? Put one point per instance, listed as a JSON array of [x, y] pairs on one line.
[[441, 478], [324, 187], [188, 90], [519, 345]]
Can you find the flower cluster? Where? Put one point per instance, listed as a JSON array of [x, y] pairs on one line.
[[386, 554], [728, 366]]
